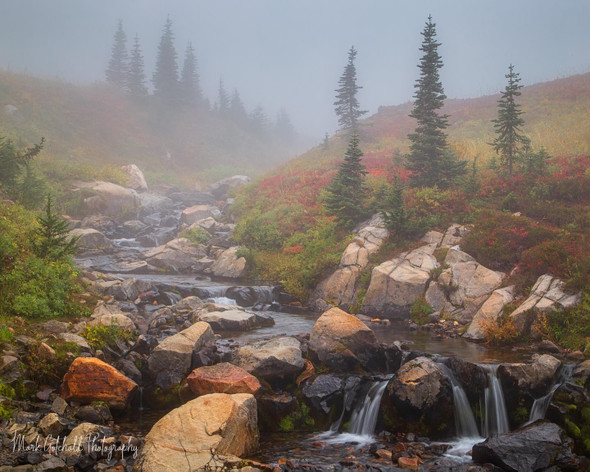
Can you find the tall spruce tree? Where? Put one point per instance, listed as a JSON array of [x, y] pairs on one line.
[[237, 111], [189, 83], [165, 78], [346, 192], [119, 64], [223, 101], [393, 211], [509, 141], [136, 79], [430, 160], [346, 105]]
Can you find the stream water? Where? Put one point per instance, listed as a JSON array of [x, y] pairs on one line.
[[334, 445]]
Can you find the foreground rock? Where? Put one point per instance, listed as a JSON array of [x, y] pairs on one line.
[[539, 446], [171, 360], [419, 399], [184, 438], [342, 341], [90, 239], [546, 295], [90, 379], [229, 265], [136, 177], [535, 378], [222, 378], [275, 360]]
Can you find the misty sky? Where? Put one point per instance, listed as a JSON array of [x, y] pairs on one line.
[[291, 53]]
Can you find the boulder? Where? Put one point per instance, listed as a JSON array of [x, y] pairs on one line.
[[232, 320], [109, 199], [136, 178], [546, 295], [113, 319], [489, 312], [171, 360], [79, 341], [195, 213], [127, 289], [468, 283], [89, 379], [453, 235], [420, 399], [219, 189], [229, 265], [178, 255], [81, 434], [222, 378], [277, 359], [184, 439], [323, 390], [339, 339], [397, 283], [90, 239], [539, 446], [535, 378], [52, 425]]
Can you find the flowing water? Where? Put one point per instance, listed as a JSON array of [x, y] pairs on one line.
[[540, 405], [495, 417]]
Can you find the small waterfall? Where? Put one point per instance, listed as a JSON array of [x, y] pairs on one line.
[[464, 420], [495, 417], [540, 405], [364, 417], [349, 395]]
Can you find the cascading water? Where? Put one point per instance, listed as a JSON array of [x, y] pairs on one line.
[[495, 417], [464, 420], [540, 405], [364, 417]]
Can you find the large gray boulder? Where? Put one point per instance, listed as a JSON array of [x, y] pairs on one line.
[[397, 283], [136, 177], [220, 189], [539, 446], [109, 199], [234, 320], [546, 295], [178, 255], [277, 359], [198, 212], [339, 288], [90, 239], [171, 360], [489, 313], [535, 378], [202, 433], [229, 265], [468, 283]]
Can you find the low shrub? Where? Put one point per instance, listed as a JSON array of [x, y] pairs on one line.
[[420, 311], [100, 336]]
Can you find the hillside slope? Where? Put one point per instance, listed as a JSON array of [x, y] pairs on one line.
[[98, 125]]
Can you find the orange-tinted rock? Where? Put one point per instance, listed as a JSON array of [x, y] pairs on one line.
[[90, 379], [222, 378], [410, 463]]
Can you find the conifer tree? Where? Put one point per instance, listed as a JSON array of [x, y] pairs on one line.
[[237, 110], [346, 105], [119, 64], [258, 122], [430, 161], [346, 192], [165, 78], [136, 79], [222, 104], [393, 212], [189, 82], [283, 127], [509, 141], [54, 242]]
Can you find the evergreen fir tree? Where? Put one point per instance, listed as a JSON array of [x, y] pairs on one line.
[[222, 105], [165, 78], [509, 141], [473, 182], [189, 82], [346, 105], [393, 211], [430, 160], [53, 235], [237, 110], [119, 64], [284, 128], [136, 79], [258, 122], [346, 192]]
